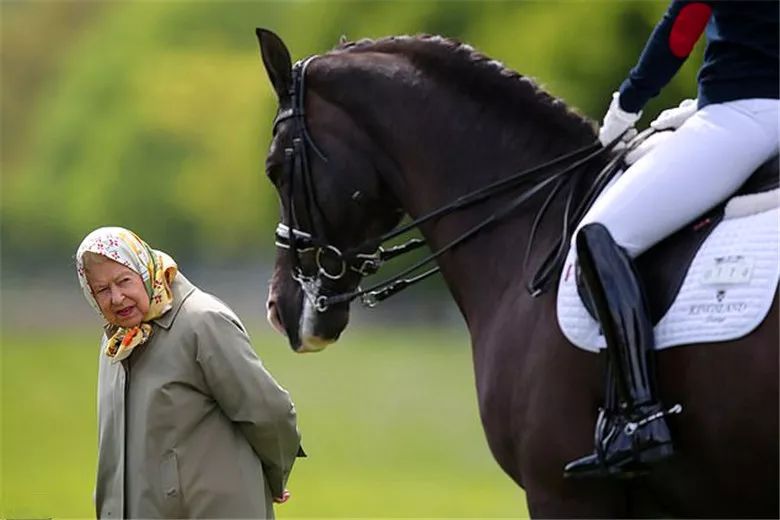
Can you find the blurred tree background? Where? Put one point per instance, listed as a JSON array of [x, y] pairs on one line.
[[156, 115]]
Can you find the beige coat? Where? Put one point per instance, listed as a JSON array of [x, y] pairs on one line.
[[191, 424]]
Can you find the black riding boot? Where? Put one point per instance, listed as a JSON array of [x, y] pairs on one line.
[[632, 432]]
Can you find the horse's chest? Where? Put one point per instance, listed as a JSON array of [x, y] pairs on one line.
[[537, 399]]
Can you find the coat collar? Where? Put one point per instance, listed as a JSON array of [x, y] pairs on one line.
[[182, 289]]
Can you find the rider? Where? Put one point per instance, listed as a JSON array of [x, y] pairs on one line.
[[719, 141]]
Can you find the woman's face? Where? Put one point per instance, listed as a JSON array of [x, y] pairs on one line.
[[119, 291]]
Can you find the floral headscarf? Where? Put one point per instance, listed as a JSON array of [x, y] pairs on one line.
[[156, 268]]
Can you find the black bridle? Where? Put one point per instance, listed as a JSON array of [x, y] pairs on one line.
[[333, 266]]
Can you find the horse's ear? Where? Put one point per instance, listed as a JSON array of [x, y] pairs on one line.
[[276, 59]]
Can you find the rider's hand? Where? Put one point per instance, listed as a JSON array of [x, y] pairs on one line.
[[282, 499], [616, 122], [673, 118]]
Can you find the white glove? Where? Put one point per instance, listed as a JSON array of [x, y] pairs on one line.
[[617, 121], [673, 118]]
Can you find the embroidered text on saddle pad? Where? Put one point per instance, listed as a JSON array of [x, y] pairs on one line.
[[727, 292]]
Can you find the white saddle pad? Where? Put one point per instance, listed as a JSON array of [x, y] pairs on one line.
[[726, 294]]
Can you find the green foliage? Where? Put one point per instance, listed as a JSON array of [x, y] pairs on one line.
[[156, 116], [389, 421]]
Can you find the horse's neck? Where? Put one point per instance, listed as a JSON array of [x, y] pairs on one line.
[[487, 270], [434, 144]]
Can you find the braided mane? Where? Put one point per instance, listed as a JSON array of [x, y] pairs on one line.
[[463, 67]]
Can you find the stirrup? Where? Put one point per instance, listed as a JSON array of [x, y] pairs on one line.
[[618, 454]]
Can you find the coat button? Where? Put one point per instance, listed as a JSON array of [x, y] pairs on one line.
[[171, 492]]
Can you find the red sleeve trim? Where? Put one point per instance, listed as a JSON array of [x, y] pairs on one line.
[[687, 28]]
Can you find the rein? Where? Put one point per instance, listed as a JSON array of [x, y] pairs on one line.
[[333, 265]]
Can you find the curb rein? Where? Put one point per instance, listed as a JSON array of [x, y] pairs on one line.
[[332, 264]]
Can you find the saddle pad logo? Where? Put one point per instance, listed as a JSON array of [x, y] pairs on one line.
[[717, 312], [727, 292]]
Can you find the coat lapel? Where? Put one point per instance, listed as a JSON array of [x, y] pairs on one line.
[[182, 289]]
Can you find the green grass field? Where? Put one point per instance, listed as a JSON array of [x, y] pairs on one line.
[[389, 420]]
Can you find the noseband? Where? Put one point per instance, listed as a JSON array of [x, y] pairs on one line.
[[334, 268]]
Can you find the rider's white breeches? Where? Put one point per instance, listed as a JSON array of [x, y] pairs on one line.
[[701, 164]]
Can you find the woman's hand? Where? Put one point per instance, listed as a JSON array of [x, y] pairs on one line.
[[282, 499]]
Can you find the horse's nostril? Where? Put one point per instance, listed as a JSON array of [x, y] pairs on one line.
[[273, 316]]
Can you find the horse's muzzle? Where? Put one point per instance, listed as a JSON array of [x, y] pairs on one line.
[[272, 315]]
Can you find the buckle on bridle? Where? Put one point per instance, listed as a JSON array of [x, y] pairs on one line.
[[369, 263], [369, 300]]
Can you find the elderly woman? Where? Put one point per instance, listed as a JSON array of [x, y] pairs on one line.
[[190, 422]]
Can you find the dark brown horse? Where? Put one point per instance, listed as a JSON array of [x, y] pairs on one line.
[[374, 130]]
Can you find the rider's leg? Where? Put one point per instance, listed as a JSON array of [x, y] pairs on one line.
[[709, 157], [631, 431], [706, 159]]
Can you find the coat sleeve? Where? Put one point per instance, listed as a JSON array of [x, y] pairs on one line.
[[665, 51], [248, 395]]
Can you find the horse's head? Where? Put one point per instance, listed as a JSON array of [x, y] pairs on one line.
[[370, 123], [332, 197]]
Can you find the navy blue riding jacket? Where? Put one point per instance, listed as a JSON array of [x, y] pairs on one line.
[[740, 60]]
